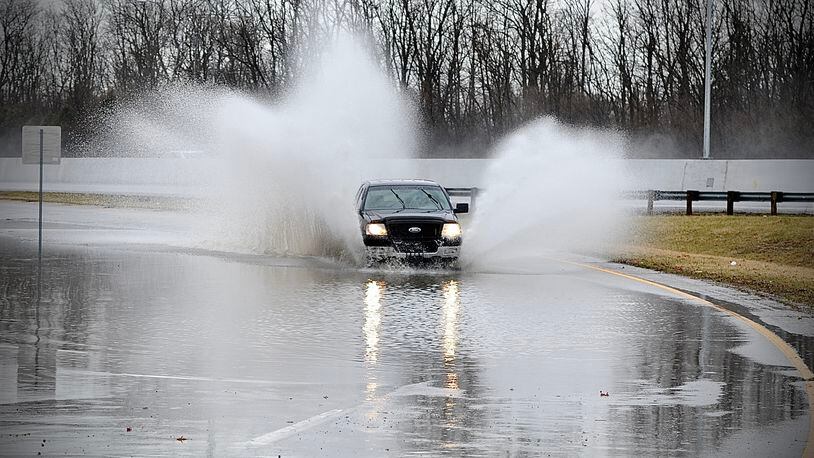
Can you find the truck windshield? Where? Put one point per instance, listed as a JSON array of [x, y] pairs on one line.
[[406, 198]]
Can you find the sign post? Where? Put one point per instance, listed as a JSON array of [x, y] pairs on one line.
[[41, 145]]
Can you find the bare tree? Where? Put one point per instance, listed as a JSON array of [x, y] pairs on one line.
[[476, 68]]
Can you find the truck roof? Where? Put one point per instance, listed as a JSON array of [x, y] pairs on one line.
[[401, 183]]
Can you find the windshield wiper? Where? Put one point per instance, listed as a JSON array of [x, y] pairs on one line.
[[438, 204], [403, 207]]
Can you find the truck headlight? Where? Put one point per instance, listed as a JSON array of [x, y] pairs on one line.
[[451, 231], [376, 229]]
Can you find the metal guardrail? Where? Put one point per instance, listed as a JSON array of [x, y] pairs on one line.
[[730, 197], [690, 196]]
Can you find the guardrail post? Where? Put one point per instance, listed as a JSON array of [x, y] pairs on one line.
[[776, 197], [731, 198], [691, 195]]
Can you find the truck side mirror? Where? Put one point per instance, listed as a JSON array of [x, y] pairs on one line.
[[461, 208]]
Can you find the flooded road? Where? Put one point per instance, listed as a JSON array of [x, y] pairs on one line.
[[140, 346]]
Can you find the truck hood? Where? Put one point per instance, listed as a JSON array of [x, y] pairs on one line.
[[446, 216]]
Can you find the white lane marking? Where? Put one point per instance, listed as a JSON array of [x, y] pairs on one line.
[[290, 430], [412, 389]]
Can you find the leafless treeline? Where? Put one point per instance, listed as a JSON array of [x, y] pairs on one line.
[[476, 68]]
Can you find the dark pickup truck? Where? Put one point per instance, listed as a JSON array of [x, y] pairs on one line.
[[408, 219]]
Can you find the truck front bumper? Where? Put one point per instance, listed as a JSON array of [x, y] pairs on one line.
[[381, 253]]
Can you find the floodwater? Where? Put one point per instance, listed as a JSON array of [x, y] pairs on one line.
[[133, 346]]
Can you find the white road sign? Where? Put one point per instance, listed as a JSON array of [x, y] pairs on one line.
[[51, 144]]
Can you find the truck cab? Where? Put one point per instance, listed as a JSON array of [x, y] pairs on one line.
[[409, 220]]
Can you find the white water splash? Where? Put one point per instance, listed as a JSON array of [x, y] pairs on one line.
[[280, 179], [550, 189], [288, 181]]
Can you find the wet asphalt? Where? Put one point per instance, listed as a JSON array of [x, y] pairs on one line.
[[137, 346]]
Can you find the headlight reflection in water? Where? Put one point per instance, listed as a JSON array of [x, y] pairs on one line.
[[449, 339], [373, 319], [451, 305], [370, 329], [451, 308]]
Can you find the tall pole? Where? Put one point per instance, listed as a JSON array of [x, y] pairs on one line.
[[707, 79]]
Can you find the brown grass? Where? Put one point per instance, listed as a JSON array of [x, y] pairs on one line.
[[103, 200], [773, 255]]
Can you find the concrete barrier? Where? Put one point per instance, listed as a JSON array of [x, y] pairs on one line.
[[108, 175], [712, 175], [183, 176]]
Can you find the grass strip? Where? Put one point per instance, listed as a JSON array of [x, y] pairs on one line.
[[103, 200], [768, 255]]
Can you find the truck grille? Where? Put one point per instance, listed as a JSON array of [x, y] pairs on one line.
[[423, 246], [401, 231]]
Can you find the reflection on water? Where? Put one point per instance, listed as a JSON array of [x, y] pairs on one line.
[[223, 350], [528, 370], [373, 319], [415, 321], [452, 302]]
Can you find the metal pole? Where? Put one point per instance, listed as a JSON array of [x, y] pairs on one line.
[[707, 79]]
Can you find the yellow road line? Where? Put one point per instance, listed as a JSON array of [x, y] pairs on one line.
[[777, 341]]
